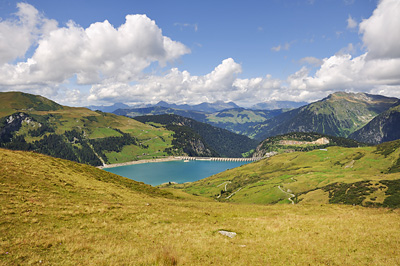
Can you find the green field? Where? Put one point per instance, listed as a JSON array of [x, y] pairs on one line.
[[302, 173]]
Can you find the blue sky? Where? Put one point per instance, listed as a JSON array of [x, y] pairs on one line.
[[244, 51]]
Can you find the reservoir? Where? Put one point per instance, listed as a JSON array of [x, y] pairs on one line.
[[174, 171]]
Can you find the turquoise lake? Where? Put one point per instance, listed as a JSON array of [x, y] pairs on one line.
[[174, 171]]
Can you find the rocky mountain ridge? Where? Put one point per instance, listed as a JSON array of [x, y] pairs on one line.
[[339, 114]]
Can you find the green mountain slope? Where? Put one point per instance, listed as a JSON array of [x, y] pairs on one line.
[[223, 142], [31, 122], [237, 120], [314, 175], [12, 101], [384, 127], [57, 212], [161, 110], [340, 114]]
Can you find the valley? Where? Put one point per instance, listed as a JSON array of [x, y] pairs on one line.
[[174, 133], [32, 122], [318, 176], [57, 212], [310, 191], [340, 114]]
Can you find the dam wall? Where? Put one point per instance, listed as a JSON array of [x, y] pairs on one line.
[[217, 159]]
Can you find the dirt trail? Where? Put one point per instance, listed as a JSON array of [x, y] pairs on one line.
[[291, 195], [233, 193], [95, 153]]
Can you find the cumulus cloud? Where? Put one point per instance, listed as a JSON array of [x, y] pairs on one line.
[[18, 34], [381, 32], [92, 55], [376, 71], [181, 87], [111, 62]]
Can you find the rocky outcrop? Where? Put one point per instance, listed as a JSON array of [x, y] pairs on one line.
[[11, 124], [196, 147], [320, 141]]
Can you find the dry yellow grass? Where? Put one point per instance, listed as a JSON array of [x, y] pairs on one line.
[[54, 212]]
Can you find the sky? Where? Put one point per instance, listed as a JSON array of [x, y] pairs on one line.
[[82, 53]]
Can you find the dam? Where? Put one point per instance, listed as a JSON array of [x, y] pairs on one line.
[[220, 159]]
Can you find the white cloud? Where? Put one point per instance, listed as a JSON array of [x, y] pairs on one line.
[[97, 53], [342, 72], [111, 61], [381, 32], [376, 71], [18, 34], [181, 87], [351, 23]]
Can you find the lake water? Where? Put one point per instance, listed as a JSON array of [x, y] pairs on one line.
[[174, 171]]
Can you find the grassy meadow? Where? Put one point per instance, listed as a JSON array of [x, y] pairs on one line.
[[56, 212], [307, 175]]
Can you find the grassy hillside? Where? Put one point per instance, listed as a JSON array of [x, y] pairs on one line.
[[31, 122], [302, 141], [239, 120], [56, 212], [11, 101], [371, 175]]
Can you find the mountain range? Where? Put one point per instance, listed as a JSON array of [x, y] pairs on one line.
[[108, 108], [340, 114], [273, 105], [202, 107], [237, 120], [32, 122], [307, 204]]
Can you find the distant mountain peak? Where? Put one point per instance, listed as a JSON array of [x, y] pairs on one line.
[[359, 96], [339, 114], [202, 107], [108, 108], [273, 105]]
